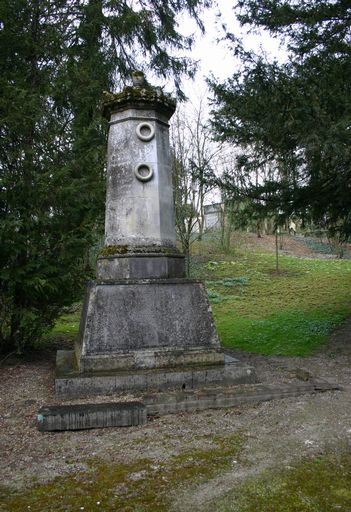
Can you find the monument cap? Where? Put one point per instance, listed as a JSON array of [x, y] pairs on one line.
[[141, 95]]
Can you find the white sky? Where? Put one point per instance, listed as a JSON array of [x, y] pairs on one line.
[[215, 57]]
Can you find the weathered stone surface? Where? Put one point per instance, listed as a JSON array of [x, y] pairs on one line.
[[142, 94], [73, 417], [85, 416], [139, 212], [70, 383], [147, 324], [159, 404], [151, 358], [146, 266]]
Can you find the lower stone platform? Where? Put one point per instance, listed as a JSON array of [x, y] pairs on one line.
[[70, 383], [131, 413]]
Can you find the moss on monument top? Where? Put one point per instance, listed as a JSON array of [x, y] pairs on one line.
[[140, 94]]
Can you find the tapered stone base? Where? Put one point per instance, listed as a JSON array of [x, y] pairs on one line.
[[70, 383], [143, 324]]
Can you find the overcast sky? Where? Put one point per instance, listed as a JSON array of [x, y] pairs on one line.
[[215, 57]]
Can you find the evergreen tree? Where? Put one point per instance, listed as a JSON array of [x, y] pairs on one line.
[[57, 57], [294, 117]]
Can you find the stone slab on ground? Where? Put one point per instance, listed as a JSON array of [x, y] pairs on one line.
[[176, 402], [123, 414], [85, 416], [69, 383]]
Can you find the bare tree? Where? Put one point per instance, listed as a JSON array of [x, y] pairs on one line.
[[183, 189], [194, 154], [205, 157]]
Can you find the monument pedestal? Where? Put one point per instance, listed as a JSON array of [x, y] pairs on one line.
[[144, 334], [146, 323]]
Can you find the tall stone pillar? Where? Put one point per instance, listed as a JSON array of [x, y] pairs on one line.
[[139, 207], [140, 240], [144, 325]]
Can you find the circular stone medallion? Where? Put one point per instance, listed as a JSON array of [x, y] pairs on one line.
[[145, 131], [144, 172]]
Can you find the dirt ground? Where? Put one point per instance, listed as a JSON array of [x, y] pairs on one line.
[[276, 433], [288, 245]]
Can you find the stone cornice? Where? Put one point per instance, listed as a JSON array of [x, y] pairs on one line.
[[138, 97]]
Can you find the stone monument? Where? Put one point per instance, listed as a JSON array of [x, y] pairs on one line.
[[144, 325]]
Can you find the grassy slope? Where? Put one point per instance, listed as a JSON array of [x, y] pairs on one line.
[[67, 325], [287, 313]]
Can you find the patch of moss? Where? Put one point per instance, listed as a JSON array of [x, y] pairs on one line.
[[116, 250], [146, 94], [113, 250], [145, 485], [320, 484]]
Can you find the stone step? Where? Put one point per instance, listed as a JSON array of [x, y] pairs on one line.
[[69, 383]]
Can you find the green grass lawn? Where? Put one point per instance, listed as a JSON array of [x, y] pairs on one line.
[[67, 325], [288, 313]]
